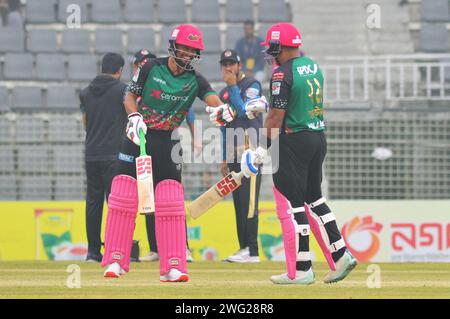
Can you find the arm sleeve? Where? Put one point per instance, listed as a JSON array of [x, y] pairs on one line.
[[190, 118], [223, 130], [251, 92], [204, 88], [137, 83], [280, 86]]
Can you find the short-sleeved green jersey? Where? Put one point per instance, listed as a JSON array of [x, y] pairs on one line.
[[297, 87], [166, 98]]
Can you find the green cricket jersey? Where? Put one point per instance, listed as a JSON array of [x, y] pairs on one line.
[[297, 87], [165, 98]]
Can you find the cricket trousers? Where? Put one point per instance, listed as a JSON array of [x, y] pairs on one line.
[[247, 228], [99, 175]]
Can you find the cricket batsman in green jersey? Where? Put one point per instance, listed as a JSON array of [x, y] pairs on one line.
[[167, 88], [296, 118]]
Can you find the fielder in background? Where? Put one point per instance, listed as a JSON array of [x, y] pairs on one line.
[[104, 119], [168, 87], [296, 115], [240, 89], [139, 59]]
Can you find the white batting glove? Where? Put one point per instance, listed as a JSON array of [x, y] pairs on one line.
[[255, 106], [250, 161], [135, 124], [221, 115]]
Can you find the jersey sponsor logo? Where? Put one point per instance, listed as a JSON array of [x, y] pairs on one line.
[[251, 93], [317, 125], [156, 94], [275, 35], [126, 158], [278, 76], [276, 87], [159, 80], [306, 70], [173, 98]]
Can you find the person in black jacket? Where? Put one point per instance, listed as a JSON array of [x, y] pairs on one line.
[[105, 120]]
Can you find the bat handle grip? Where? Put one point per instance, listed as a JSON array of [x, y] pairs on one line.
[[142, 142]]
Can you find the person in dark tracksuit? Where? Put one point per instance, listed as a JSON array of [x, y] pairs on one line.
[[105, 120], [240, 89]]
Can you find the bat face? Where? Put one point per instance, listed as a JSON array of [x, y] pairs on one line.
[[215, 194], [144, 176], [226, 185]]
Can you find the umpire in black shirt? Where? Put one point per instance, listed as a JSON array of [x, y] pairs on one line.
[[105, 119]]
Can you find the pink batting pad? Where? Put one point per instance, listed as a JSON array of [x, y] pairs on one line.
[[288, 229], [170, 226], [315, 228], [121, 221]]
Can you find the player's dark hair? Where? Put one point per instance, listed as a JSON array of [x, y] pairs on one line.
[[249, 22], [111, 63]]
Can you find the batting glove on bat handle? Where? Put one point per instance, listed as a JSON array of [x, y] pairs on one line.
[[135, 124], [250, 161]]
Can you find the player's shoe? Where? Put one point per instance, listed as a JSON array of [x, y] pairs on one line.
[[114, 271], [301, 278], [94, 257], [344, 265], [151, 256], [189, 258], [243, 259], [174, 275], [244, 251]]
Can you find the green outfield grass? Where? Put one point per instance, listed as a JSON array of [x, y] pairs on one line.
[[219, 280]]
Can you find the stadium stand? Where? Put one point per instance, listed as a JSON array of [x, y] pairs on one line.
[[376, 75]]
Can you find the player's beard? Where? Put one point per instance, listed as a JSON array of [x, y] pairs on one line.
[[183, 63]]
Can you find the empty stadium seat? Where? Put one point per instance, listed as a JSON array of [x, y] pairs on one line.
[[76, 41], [434, 37], [27, 98], [6, 159], [435, 11], [40, 11], [33, 159], [35, 188], [209, 67], [18, 66], [12, 40], [239, 10], [41, 40], [63, 98], [164, 35], [141, 38], [106, 11], [69, 188], [108, 40], [8, 187], [63, 128], [173, 11], [205, 11], [273, 11], [68, 159], [30, 129], [82, 67], [127, 72], [233, 34], [139, 11], [4, 99], [50, 67], [64, 6], [211, 39]]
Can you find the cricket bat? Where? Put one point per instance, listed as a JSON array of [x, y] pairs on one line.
[[215, 194], [251, 203], [144, 176]]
